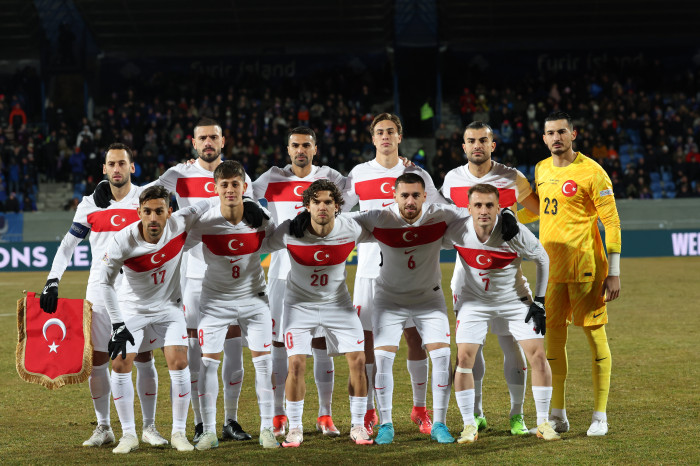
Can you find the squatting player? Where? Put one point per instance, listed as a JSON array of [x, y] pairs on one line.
[[493, 290], [574, 193], [102, 225]]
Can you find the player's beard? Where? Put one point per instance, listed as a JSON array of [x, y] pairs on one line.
[[209, 157], [119, 184], [410, 214], [301, 163], [478, 161]]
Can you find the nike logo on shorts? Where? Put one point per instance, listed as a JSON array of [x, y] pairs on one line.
[[359, 342], [153, 340], [184, 337], [266, 345], [598, 315]]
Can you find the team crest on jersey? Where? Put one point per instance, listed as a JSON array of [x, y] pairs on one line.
[[569, 188], [105, 258]]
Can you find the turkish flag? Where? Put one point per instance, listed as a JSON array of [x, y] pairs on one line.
[[54, 349]]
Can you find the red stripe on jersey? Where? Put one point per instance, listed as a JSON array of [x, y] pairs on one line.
[[322, 254], [234, 245], [157, 259], [483, 259], [195, 187], [460, 196], [286, 191], [112, 219], [380, 188], [410, 237]]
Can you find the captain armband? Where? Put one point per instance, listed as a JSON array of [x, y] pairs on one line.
[[79, 230], [463, 370], [614, 264]]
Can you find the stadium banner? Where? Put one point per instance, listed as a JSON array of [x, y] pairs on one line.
[[54, 350], [25, 257], [11, 227]]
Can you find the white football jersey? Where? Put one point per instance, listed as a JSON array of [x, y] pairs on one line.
[[192, 183], [317, 272], [102, 224], [492, 276], [512, 186], [231, 252], [410, 253], [282, 189], [151, 271], [373, 186]]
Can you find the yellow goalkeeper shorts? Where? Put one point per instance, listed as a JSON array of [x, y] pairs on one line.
[[580, 303]]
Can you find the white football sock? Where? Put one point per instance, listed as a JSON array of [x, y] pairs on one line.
[[465, 402], [384, 383], [99, 390], [418, 370], [559, 413], [542, 396], [599, 416], [263, 389], [369, 370], [324, 372], [180, 394], [514, 371], [295, 411], [358, 408], [441, 383], [478, 372], [123, 394], [147, 389], [194, 359], [232, 376], [279, 370], [208, 388]]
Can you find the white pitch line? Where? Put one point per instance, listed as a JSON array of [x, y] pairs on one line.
[[8, 315]]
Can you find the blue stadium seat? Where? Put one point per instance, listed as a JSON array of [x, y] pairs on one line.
[[522, 169], [655, 186], [671, 194], [655, 177], [625, 149], [657, 194], [624, 159], [531, 172], [666, 176]]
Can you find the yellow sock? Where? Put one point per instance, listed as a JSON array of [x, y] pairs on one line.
[[602, 365], [556, 356]]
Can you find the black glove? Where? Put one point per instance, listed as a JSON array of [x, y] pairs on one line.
[[538, 315], [102, 194], [117, 344], [253, 214], [509, 227], [49, 297], [299, 224]]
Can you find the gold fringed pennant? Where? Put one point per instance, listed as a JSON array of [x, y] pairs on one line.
[[54, 350]]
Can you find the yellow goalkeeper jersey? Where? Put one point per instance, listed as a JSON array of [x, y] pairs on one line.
[[572, 198]]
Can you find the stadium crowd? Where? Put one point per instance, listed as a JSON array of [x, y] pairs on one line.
[[646, 139]]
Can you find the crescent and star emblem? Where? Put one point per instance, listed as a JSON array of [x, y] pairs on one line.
[[569, 188], [296, 190], [54, 321], [154, 256], [119, 217], [327, 256], [206, 187], [478, 259], [381, 188], [414, 236], [230, 245]]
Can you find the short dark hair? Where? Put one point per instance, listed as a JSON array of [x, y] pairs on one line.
[[305, 130], [555, 116], [476, 125], [386, 116], [484, 188], [409, 178], [322, 185], [206, 121], [229, 169], [121, 146], [155, 192]]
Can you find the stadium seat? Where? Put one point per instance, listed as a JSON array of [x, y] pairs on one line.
[[624, 159], [523, 169], [657, 194], [666, 176], [671, 194], [655, 177]]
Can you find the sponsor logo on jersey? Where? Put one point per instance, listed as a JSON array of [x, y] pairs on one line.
[[235, 244], [460, 196], [112, 219], [380, 188], [483, 259], [569, 188], [156, 259], [410, 237], [195, 187], [286, 191], [322, 254]]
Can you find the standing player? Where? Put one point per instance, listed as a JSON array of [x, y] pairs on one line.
[[317, 296], [372, 183], [574, 193], [492, 290], [148, 252], [512, 186], [233, 291], [282, 188], [103, 224]]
